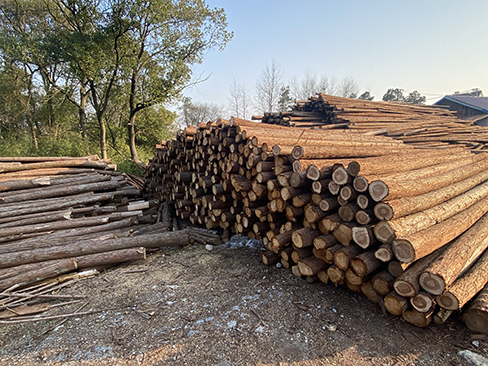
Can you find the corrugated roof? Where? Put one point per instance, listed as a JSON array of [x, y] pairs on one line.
[[480, 103]]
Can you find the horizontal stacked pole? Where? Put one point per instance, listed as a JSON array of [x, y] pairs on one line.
[[62, 214], [413, 124]]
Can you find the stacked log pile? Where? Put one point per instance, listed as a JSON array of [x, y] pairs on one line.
[[369, 212], [58, 215], [412, 124]]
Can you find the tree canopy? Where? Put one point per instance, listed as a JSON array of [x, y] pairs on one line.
[[106, 61]]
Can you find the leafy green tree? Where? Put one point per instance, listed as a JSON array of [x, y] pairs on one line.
[[286, 101], [415, 98], [164, 39], [394, 95], [366, 96]]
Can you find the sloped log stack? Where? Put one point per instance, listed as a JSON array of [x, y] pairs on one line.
[[379, 216], [412, 124], [59, 215]]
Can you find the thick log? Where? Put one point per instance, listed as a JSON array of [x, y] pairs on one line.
[[466, 286], [387, 231], [424, 242], [476, 316], [459, 255], [410, 160], [382, 282], [304, 237], [395, 304], [365, 263], [408, 285], [417, 318], [392, 189], [422, 302], [336, 151], [432, 169], [169, 238], [343, 256], [408, 205], [311, 265]]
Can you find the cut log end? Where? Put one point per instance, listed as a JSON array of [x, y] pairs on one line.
[[476, 320], [403, 250], [340, 176], [432, 283], [313, 173], [417, 318], [383, 211], [353, 168], [362, 236], [297, 152], [378, 190], [422, 302], [448, 301], [360, 184], [404, 288], [383, 232]]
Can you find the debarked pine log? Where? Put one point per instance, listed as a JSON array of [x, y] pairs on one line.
[[466, 286], [424, 242], [459, 255]]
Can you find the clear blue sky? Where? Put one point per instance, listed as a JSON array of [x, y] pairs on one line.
[[435, 47]]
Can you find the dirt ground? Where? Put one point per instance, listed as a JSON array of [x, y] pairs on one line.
[[192, 306]]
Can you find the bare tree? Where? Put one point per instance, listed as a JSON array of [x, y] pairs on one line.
[[268, 88], [312, 84], [239, 101], [195, 113], [348, 88]]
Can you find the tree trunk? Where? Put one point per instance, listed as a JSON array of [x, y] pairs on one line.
[[131, 130], [419, 319]]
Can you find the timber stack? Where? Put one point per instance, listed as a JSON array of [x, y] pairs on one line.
[[412, 124], [60, 214], [391, 220]]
